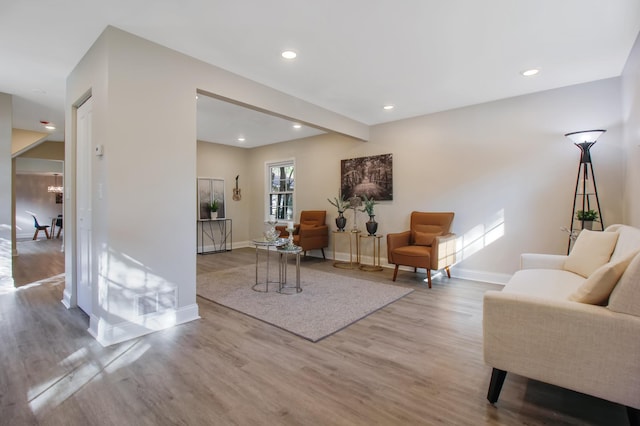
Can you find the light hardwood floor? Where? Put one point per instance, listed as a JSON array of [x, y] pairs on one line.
[[418, 361]]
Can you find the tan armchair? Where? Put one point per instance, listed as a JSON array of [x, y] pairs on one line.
[[429, 244], [311, 233]]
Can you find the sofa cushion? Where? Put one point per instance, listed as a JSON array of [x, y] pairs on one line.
[[597, 288], [554, 284], [625, 297], [591, 250], [628, 241]]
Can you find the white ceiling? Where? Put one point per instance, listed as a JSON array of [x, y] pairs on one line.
[[354, 56]]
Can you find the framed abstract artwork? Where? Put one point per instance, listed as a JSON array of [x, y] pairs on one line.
[[371, 176], [210, 192]]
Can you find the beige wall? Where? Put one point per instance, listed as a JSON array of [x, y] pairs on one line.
[[227, 162], [631, 114], [46, 150]]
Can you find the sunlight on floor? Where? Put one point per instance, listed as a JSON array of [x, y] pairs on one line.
[[55, 391]]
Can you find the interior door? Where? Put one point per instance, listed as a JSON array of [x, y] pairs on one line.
[[84, 277]]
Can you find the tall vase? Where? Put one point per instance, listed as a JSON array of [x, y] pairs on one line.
[[341, 221], [372, 225]]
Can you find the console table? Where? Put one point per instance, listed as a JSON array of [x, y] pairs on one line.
[[215, 236]]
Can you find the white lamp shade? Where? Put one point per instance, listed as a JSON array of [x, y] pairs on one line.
[[585, 136]]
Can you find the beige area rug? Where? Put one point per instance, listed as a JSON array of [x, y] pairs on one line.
[[327, 304]]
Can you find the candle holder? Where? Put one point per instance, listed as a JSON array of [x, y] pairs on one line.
[[271, 234], [290, 245]]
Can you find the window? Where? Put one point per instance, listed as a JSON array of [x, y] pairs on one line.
[[280, 186]]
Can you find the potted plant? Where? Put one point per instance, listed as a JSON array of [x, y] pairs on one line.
[[587, 218], [214, 206], [372, 225], [341, 205]]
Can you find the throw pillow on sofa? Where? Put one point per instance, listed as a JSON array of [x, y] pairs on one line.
[[625, 297], [597, 288], [591, 250]]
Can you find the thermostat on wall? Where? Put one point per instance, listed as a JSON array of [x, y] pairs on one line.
[[99, 150]]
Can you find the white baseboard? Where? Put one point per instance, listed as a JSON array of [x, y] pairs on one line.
[[484, 276], [109, 334]]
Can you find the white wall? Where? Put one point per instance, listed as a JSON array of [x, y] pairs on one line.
[[32, 195], [503, 167], [631, 114], [6, 251]]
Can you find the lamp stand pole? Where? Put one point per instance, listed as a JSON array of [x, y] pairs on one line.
[[584, 168]]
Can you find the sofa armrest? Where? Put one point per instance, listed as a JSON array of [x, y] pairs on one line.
[[542, 261], [582, 347]]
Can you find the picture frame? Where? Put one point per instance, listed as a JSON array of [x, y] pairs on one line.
[[210, 189], [371, 176]]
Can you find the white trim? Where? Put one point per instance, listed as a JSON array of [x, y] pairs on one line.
[[484, 276], [110, 334]]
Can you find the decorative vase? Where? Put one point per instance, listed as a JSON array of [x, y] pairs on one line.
[[588, 224], [341, 221], [214, 215], [372, 225]]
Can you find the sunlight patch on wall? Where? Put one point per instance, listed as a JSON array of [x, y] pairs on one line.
[[132, 292], [480, 236]]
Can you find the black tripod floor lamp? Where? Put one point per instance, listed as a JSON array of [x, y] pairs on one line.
[[586, 195]]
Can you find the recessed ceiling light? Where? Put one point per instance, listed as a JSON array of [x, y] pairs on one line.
[[388, 107], [530, 72], [241, 139], [297, 126], [289, 54]]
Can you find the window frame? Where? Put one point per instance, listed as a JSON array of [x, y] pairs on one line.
[[268, 189]]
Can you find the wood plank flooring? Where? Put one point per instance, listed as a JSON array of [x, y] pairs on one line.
[[416, 362]]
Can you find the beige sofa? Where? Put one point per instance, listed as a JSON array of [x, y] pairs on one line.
[[535, 328]]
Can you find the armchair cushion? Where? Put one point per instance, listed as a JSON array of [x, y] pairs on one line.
[[425, 238], [591, 250], [424, 229]]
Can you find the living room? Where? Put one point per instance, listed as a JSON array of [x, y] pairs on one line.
[[504, 167]]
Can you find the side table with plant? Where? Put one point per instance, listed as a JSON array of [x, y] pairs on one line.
[[372, 225], [341, 205]]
